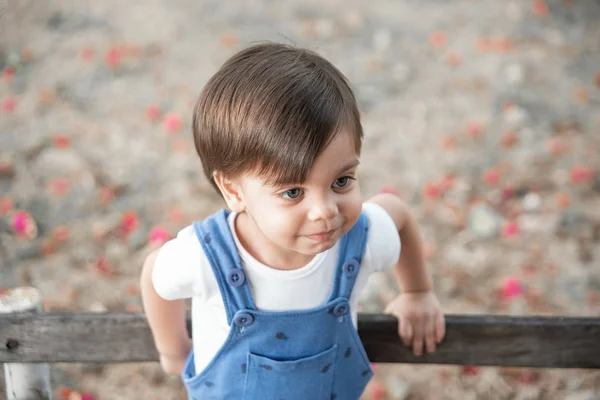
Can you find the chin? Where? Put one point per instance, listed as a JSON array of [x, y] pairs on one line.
[[321, 247]]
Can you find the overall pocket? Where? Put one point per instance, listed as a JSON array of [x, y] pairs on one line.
[[301, 379]]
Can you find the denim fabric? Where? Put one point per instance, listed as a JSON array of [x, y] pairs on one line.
[[309, 354]]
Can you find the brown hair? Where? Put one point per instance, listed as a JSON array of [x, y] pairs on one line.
[[270, 110]]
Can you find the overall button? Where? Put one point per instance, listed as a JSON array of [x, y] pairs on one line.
[[236, 277], [351, 267], [243, 319], [340, 310]]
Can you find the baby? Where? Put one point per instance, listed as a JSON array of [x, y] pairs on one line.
[[275, 278]]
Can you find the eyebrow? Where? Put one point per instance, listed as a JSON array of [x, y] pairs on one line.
[[351, 164]]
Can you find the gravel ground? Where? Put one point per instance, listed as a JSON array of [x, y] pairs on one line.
[[484, 115]]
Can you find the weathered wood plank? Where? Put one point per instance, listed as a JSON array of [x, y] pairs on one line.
[[545, 342], [24, 381], [553, 342]]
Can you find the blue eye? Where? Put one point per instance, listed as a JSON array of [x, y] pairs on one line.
[[291, 194], [342, 182]]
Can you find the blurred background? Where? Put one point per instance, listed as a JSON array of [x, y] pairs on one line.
[[483, 114]]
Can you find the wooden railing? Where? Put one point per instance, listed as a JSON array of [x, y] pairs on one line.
[[543, 342]]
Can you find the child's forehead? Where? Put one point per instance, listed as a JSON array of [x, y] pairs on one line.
[[317, 172], [337, 156]]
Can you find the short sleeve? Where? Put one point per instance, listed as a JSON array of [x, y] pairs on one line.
[[177, 270], [383, 242]]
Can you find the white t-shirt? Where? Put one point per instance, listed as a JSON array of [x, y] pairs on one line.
[[182, 271]]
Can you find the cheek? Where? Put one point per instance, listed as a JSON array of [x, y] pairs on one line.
[[351, 208], [279, 223]]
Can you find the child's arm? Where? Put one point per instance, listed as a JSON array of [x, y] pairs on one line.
[[417, 307], [167, 322]]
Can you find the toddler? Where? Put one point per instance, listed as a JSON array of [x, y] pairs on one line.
[[275, 278]]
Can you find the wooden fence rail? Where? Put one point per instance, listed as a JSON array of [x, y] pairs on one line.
[[30, 340], [548, 342]]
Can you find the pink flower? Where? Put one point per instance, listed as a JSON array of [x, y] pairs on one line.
[[152, 112], [474, 129], [510, 229], [447, 182], [509, 139], [87, 54], [374, 367], [159, 235], [112, 57], [129, 222], [133, 289], [6, 204], [61, 234], [104, 267], [23, 224], [449, 142], [471, 370], [491, 176], [61, 141], [438, 39], [501, 44], [9, 104], [176, 215], [8, 74], [507, 192], [511, 287], [432, 190], [378, 391], [106, 195], [539, 7], [580, 174], [557, 146], [58, 186], [172, 123]]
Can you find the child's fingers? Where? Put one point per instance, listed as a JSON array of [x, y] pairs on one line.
[[430, 334], [406, 332], [418, 339], [440, 327]]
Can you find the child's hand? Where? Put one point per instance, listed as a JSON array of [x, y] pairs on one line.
[[421, 320]]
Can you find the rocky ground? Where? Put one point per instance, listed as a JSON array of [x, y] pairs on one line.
[[483, 114]]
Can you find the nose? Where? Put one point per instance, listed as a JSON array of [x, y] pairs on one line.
[[324, 208]]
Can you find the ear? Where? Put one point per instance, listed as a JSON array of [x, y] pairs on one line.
[[231, 191]]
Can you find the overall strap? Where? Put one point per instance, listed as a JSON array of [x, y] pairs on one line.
[[352, 248], [222, 254]]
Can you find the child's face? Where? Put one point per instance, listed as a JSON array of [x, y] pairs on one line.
[[291, 224]]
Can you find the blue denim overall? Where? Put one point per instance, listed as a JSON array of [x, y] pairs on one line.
[[312, 354]]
